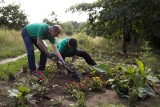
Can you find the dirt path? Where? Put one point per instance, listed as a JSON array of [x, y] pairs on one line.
[[4, 61]]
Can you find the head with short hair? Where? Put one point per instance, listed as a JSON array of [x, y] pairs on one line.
[[72, 42], [55, 30]]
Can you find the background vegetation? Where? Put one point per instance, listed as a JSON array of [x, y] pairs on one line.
[[117, 32]]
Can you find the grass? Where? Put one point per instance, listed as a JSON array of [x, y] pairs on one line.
[[15, 67], [98, 48], [11, 43]]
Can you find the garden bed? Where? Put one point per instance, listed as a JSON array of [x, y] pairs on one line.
[[55, 95]]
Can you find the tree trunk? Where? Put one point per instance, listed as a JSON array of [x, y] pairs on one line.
[[124, 36]]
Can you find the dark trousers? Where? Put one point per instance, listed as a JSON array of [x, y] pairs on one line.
[[82, 54], [30, 52]]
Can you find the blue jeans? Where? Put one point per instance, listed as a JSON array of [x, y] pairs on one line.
[[30, 52], [82, 54]]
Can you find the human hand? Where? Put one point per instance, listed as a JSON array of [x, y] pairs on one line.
[[50, 55], [63, 62]]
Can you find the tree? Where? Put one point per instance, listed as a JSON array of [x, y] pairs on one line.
[[12, 17], [51, 19], [126, 18], [68, 28]]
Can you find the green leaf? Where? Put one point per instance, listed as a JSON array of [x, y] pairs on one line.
[[130, 70], [13, 93], [137, 79], [23, 89], [122, 95], [146, 88], [141, 67], [19, 95], [153, 79], [141, 94], [124, 81], [123, 69], [102, 68]]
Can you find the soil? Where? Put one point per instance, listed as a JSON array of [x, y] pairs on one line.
[[55, 91]]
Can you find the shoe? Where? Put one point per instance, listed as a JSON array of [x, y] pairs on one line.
[[33, 72]]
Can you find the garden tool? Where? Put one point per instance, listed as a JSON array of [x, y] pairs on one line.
[[74, 74]]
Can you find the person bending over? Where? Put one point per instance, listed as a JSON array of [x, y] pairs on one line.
[[68, 47], [33, 34]]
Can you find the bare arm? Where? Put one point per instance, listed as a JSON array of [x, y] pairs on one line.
[[41, 45], [56, 51]]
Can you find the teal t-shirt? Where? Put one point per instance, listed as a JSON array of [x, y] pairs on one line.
[[40, 30], [63, 47]]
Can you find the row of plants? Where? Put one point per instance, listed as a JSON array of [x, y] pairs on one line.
[[132, 82]]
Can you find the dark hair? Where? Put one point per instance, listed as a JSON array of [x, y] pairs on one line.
[[72, 42]]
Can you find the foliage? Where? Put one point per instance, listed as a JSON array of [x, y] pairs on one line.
[[150, 60], [74, 90], [14, 66], [51, 19], [131, 82], [49, 70], [70, 87], [12, 17], [38, 84], [96, 84], [12, 43], [22, 94], [132, 19], [71, 27], [68, 28]]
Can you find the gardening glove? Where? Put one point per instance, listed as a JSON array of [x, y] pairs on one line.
[[50, 55]]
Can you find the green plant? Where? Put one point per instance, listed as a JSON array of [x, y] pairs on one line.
[[81, 100], [137, 81], [96, 84], [70, 87], [49, 70], [21, 94], [38, 84], [57, 102], [131, 81], [74, 90]]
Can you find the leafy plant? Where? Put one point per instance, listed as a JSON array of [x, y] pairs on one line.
[[96, 84], [74, 90], [22, 95], [132, 82], [70, 87], [81, 100]]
